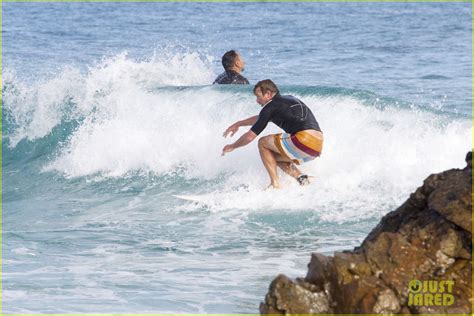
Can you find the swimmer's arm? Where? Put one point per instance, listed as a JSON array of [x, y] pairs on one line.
[[242, 141], [235, 127]]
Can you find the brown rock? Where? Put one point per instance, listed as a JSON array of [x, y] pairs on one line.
[[387, 302], [288, 297], [318, 270], [428, 238], [452, 198]]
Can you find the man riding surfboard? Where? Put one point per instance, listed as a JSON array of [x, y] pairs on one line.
[[301, 142]]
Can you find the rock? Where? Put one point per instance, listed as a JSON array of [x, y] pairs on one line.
[[387, 303], [288, 297], [452, 198], [318, 270], [428, 238]]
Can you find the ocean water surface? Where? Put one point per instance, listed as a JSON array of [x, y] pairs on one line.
[[108, 112]]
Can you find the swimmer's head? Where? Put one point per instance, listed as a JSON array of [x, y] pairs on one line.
[[233, 61], [265, 90]]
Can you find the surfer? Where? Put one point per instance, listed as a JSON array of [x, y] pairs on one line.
[[301, 142], [233, 65]]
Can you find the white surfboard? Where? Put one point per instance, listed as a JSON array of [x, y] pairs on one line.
[[191, 198]]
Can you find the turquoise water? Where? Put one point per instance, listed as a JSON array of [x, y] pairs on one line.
[[108, 113]]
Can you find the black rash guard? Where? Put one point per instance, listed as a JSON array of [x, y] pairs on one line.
[[287, 112], [230, 77]]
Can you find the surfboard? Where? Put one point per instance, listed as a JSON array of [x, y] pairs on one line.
[[191, 198]]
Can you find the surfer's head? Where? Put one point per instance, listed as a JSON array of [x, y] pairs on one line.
[[265, 90], [233, 61]]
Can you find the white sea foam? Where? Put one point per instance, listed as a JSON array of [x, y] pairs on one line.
[[372, 157], [24, 251], [36, 108], [133, 121]]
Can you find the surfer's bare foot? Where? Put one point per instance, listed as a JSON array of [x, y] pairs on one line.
[[271, 187]]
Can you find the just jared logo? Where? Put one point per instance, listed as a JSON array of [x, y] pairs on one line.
[[430, 293]]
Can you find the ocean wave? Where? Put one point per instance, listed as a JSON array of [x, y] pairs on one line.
[[32, 110], [121, 119]]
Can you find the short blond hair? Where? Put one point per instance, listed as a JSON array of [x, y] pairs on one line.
[[265, 86]]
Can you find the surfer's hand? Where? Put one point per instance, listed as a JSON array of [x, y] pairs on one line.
[[227, 149], [231, 129]]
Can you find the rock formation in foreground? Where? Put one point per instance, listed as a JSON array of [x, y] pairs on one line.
[[417, 260]]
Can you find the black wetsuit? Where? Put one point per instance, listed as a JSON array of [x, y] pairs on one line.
[[287, 112], [230, 77]]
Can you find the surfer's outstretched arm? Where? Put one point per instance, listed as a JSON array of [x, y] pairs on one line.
[[250, 121], [242, 141], [235, 127]]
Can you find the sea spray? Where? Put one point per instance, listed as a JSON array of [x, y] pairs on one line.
[[127, 123], [34, 108]]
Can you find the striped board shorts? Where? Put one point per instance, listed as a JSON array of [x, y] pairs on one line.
[[300, 147]]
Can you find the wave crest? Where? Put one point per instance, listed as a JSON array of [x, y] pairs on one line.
[[32, 110]]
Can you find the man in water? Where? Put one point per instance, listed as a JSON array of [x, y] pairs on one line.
[[301, 142], [233, 65]]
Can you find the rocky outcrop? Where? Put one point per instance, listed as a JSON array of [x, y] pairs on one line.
[[417, 260]]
